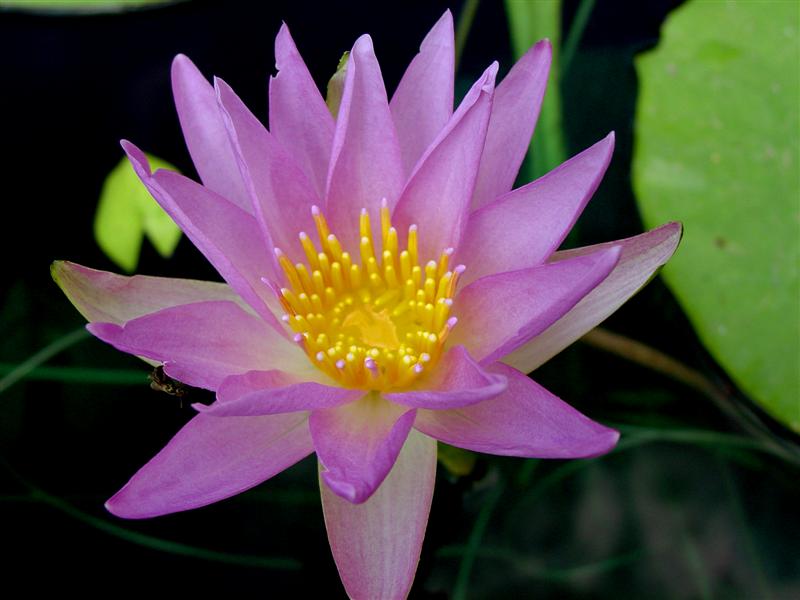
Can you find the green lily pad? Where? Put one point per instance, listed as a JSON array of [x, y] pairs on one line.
[[127, 213], [717, 148]]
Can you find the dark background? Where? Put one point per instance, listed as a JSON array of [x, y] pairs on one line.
[[664, 516]]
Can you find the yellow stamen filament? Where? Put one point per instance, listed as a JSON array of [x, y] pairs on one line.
[[309, 249], [379, 324]]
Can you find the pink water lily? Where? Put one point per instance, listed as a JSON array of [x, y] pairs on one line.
[[385, 288]]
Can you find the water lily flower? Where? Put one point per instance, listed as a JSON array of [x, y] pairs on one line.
[[385, 288]]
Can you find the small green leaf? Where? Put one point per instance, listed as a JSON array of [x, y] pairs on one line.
[[717, 148], [333, 98], [127, 213]]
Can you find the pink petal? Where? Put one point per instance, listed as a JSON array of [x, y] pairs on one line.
[[111, 298], [365, 160], [423, 101], [298, 116], [641, 256], [376, 545], [205, 133], [211, 459], [516, 107], [204, 343], [522, 228], [438, 192], [358, 444], [208, 220], [282, 195], [525, 420], [457, 381], [499, 313], [258, 393]]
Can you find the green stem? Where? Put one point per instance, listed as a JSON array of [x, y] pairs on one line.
[[575, 34], [148, 541], [658, 361], [42, 356], [474, 541], [81, 375], [463, 27]]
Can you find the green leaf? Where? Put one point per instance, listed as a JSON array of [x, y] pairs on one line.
[[333, 98], [717, 148], [127, 213]]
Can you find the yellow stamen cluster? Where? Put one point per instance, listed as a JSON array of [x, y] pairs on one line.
[[378, 323]]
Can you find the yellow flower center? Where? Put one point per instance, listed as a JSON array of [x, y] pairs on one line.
[[377, 325]]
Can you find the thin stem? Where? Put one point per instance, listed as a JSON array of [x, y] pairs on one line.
[[36, 494], [655, 360], [575, 34], [634, 436], [42, 356], [463, 27], [474, 541], [81, 375]]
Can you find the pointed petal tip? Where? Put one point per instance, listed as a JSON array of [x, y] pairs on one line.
[[541, 54], [56, 268], [284, 46], [614, 437], [60, 271], [183, 72], [674, 227], [137, 158], [345, 490], [609, 256], [363, 45], [181, 67], [123, 507], [445, 22], [602, 149], [120, 507], [669, 235], [181, 60], [491, 72], [605, 441], [544, 45], [224, 93], [111, 506]]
